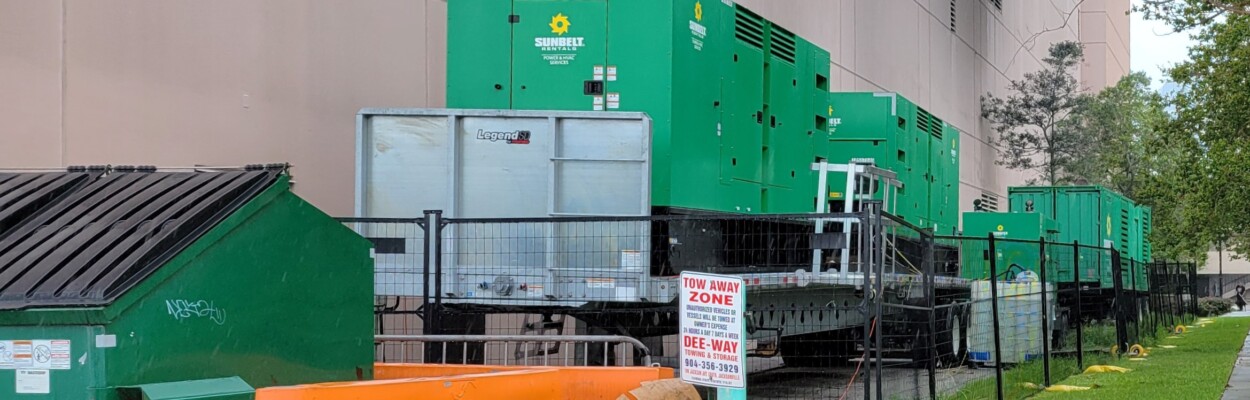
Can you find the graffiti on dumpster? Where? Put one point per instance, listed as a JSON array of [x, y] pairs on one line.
[[185, 309]]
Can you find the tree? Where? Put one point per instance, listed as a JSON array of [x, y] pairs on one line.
[[1187, 14], [1037, 124], [1122, 120], [1212, 122]]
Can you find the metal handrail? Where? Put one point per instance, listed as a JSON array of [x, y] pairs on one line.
[[523, 339]]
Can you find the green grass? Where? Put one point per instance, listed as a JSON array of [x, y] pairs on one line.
[[1097, 340], [1031, 372], [1197, 368]]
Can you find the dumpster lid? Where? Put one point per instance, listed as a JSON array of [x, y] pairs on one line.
[[105, 235], [24, 194]]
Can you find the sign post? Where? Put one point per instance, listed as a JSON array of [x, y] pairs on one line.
[[713, 333]]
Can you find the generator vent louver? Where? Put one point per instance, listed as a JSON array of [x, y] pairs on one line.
[[926, 122], [782, 44], [749, 28]]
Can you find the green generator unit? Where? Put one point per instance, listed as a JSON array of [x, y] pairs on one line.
[[898, 135], [1094, 216], [739, 105], [129, 283], [1011, 256]]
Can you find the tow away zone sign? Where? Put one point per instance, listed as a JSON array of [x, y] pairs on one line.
[[713, 342]]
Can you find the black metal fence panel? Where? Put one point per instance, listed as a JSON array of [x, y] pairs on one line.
[[856, 305]]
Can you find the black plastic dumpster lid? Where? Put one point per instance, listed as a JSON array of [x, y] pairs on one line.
[[105, 235], [24, 194]]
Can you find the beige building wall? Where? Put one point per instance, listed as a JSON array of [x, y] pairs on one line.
[[228, 82], [1232, 265]]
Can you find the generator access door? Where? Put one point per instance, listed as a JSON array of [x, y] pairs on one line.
[[559, 51]]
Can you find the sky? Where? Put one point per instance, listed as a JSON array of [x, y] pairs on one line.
[[1153, 46]]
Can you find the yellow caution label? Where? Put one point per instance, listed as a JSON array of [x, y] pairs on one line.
[[1000, 228], [1108, 225], [698, 11], [835, 195], [830, 110]]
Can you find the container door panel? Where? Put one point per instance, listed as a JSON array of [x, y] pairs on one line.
[[556, 47], [479, 65], [786, 137], [744, 130]]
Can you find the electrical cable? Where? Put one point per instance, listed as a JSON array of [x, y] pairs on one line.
[[847, 390]]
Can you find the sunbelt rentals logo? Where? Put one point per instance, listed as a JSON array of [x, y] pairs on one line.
[[559, 49], [697, 31]]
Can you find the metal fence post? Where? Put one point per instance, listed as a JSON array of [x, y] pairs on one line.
[[931, 294], [1041, 249], [427, 324], [870, 301], [1076, 279], [1177, 306], [436, 226], [1153, 312], [1193, 289], [1134, 294], [998, 345], [1117, 278], [878, 240]]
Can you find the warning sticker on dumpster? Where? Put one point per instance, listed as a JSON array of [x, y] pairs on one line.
[[34, 381], [60, 354], [39, 354], [6, 354], [22, 357], [712, 330]]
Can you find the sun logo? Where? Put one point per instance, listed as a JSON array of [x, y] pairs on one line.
[[698, 11], [559, 24]]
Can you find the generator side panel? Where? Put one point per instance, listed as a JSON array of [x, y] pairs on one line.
[[1147, 217], [864, 125], [743, 121], [689, 88], [944, 210], [278, 268], [1012, 257], [479, 54], [798, 73], [1086, 217]]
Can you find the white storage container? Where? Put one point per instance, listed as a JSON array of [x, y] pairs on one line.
[[1019, 320]]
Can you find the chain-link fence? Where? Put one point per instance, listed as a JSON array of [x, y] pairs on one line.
[[854, 305]]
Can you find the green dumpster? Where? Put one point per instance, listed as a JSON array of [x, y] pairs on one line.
[[125, 282]]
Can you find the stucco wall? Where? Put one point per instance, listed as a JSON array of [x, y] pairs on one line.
[[179, 83]]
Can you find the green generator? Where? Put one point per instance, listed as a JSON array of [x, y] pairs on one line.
[[128, 283], [1099, 217], [1019, 251], [739, 105], [898, 135]]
